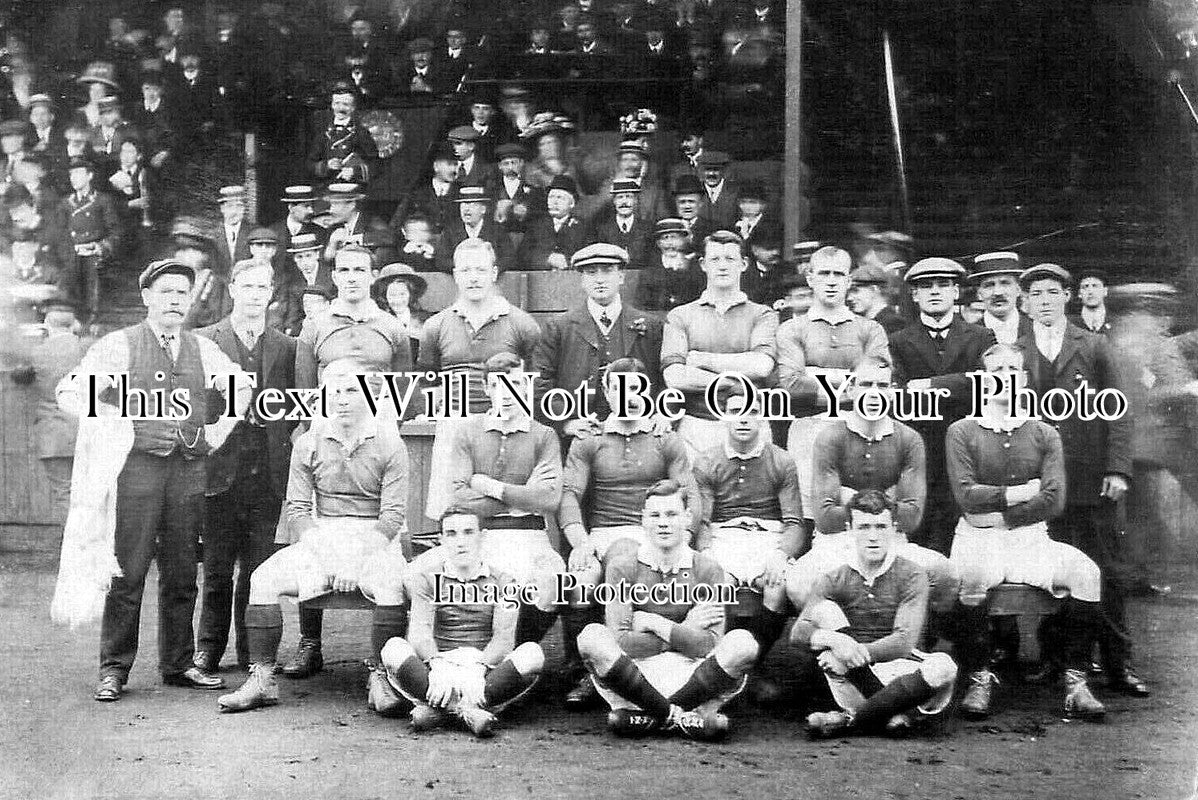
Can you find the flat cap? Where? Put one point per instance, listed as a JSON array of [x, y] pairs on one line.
[[341, 87], [935, 268], [1052, 271], [318, 289], [714, 158], [510, 150], [103, 72], [599, 254], [870, 275], [111, 103], [669, 225], [232, 194], [687, 184], [304, 241], [263, 236], [463, 133], [472, 194], [999, 263], [624, 185], [165, 266], [633, 146], [188, 228], [347, 192], [298, 194], [564, 183]]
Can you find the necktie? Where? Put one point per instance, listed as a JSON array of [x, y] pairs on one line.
[[461, 169], [604, 321], [168, 344], [249, 339]]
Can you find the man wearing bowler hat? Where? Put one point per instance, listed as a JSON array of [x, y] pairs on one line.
[[517, 202], [160, 490], [625, 228], [552, 239], [672, 275], [474, 222], [718, 208], [343, 151], [688, 206], [420, 75], [1060, 355], [938, 351]]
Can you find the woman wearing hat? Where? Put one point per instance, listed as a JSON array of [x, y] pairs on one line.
[[556, 156], [398, 290], [100, 80]]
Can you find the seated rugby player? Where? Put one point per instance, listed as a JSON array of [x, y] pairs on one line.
[[860, 451], [1008, 474], [663, 661], [460, 656], [863, 619], [609, 468], [351, 469], [752, 521]]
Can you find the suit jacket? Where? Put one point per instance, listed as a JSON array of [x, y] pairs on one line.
[[891, 320], [455, 233], [482, 173], [540, 241], [440, 210], [223, 262], [637, 241], [653, 202], [723, 214], [353, 142], [571, 351], [1094, 448], [278, 372], [211, 303], [1105, 330], [437, 81], [528, 195], [914, 355]]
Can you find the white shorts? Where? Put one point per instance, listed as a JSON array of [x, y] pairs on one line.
[[525, 555], [849, 698], [743, 553], [800, 443], [334, 545], [440, 485], [604, 538], [831, 550], [986, 557]]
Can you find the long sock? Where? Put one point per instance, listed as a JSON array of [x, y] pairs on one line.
[[766, 627], [898, 696], [311, 621], [505, 682], [533, 624], [864, 681], [626, 680], [1081, 622], [263, 630], [574, 619], [388, 622], [971, 636], [412, 675], [707, 681]]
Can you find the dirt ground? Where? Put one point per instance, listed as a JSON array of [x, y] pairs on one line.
[[56, 742]]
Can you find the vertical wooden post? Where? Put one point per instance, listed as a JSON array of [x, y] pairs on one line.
[[896, 132], [792, 167], [251, 179]]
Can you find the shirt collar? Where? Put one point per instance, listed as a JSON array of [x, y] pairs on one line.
[[834, 317], [994, 323], [937, 324], [648, 556], [736, 299], [1010, 424], [364, 313], [329, 429], [481, 570], [1095, 318], [643, 425], [522, 423], [612, 311], [1042, 331], [758, 449], [494, 307], [856, 565], [857, 426]]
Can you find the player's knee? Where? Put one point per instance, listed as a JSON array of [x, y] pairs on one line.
[[827, 616], [264, 586], [938, 669], [736, 651], [594, 638], [528, 658], [396, 651]]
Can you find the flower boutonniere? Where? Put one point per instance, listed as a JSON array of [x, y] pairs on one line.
[[639, 326]]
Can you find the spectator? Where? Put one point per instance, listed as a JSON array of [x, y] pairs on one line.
[[551, 240], [474, 222]]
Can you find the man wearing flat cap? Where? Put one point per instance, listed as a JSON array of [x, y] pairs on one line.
[[154, 118], [342, 149], [1098, 454], [475, 221], [95, 233], [995, 277], [937, 351], [577, 345], [718, 208], [552, 239], [868, 298], [517, 201], [473, 169], [108, 136], [47, 133], [160, 488], [625, 227], [420, 75]]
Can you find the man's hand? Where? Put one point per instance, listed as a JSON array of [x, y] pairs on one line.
[[159, 159], [1023, 492], [440, 684], [557, 261], [334, 164], [575, 427], [848, 650], [472, 684], [346, 580], [830, 663], [704, 616], [346, 174], [775, 568], [648, 622], [1114, 487], [543, 471], [582, 556]]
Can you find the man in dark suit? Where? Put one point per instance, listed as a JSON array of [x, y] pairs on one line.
[[247, 476], [434, 195], [233, 244], [1091, 292], [995, 276], [868, 298], [936, 352], [302, 269], [1060, 355], [300, 202], [576, 345], [554, 238], [632, 164], [472, 168], [474, 222], [688, 207], [719, 208], [420, 75], [342, 150], [517, 203], [624, 228]]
